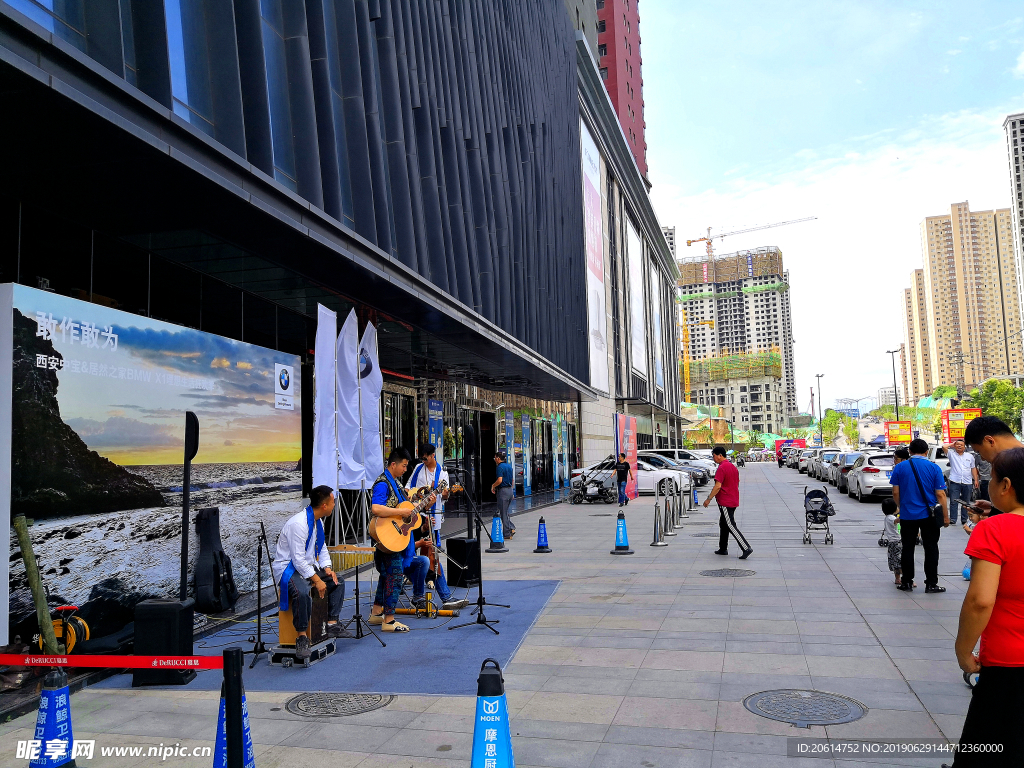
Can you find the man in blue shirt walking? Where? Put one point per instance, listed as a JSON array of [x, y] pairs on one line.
[[502, 487], [916, 513]]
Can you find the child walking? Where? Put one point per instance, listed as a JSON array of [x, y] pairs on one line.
[[892, 536]]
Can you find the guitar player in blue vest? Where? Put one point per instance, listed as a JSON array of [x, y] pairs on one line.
[[302, 561]]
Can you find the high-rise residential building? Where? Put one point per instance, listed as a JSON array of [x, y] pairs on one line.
[[583, 14], [746, 295], [1013, 127], [918, 375], [972, 303], [887, 395], [903, 372], [618, 52], [670, 238]]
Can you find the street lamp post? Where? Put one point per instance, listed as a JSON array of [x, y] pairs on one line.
[[821, 433], [895, 388]]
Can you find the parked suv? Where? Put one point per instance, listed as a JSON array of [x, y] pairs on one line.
[[937, 454]]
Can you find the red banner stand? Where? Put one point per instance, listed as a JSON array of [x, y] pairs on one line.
[[114, 662]]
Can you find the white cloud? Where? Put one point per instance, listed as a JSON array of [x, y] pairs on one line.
[[849, 268], [1018, 71]]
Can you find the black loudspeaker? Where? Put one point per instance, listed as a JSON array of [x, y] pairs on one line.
[[464, 552], [215, 584], [163, 628]]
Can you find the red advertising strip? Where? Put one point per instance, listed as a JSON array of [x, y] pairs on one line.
[[118, 662]]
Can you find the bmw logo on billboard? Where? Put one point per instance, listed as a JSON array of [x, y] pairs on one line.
[[284, 377]]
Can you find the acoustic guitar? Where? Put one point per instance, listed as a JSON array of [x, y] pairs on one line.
[[392, 534]]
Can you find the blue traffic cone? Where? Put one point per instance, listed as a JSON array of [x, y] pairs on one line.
[[542, 539], [492, 737], [53, 725], [621, 537], [220, 748], [695, 496], [497, 537]]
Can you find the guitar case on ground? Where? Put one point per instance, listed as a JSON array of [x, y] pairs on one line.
[[214, 582]]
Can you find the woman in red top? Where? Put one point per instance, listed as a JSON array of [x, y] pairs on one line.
[[993, 610]]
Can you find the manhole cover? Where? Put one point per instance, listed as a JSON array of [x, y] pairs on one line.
[[707, 535], [805, 708], [336, 704], [728, 572]]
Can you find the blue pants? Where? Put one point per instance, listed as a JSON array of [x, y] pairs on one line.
[[961, 491], [622, 492], [417, 573]]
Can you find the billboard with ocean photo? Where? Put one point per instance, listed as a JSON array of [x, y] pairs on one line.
[[97, 410]]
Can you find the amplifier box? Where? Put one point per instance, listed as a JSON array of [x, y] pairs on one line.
[[163, 628], [464, 552]]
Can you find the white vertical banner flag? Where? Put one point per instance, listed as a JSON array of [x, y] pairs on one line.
[[350, 461], [373, 384], [325, 444]]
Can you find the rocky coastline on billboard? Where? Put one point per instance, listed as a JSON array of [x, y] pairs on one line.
[[53, 472], [107, 562]]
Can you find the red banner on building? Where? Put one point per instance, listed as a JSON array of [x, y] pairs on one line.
[[625, 442]]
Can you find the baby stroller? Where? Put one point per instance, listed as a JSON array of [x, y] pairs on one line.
[[817, 510]]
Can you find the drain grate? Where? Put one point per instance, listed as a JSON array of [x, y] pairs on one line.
[[603, 514], [702, 522], [805, 708], [728, 572], [336, 704], [708, 535]]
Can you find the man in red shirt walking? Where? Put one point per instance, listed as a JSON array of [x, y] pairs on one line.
[[727, 493]]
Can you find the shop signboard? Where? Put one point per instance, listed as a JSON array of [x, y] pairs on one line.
[[637, 324], [625, 442], [435, 427], [527, 456], [793, 442], [510, 444], [92, 427], [955, 421], [898, 432], [594, 234]]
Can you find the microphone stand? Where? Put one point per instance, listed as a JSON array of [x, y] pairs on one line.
[[259, 647], [481, 601], [357, 617]]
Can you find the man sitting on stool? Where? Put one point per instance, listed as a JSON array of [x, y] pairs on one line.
[[302, 560]]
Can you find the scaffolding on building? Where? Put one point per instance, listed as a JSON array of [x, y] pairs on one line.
[[741, 365], [756, 262]]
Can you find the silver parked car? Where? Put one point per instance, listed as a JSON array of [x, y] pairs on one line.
[[820, 463], [793, 457], [841, 466], [869, 476], [804, 462]]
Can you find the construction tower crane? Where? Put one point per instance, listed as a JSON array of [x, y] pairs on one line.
[[686, 348], [709, 237]]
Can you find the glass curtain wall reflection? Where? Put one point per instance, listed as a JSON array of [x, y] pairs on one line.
[[272, 26], [189, 62]]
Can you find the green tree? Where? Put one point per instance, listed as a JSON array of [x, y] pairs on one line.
[[944, 392], [830, 426], [998, 398]]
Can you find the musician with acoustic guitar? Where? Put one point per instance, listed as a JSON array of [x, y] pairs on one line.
[[430, 477], [394, 520]]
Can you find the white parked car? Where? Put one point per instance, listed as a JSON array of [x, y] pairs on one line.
[[647, 476], [869, 476]]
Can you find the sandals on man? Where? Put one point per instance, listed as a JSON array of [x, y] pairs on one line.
[[393, 626]]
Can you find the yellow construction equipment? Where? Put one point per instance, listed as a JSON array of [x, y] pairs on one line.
[[686, 350], [709, 237]]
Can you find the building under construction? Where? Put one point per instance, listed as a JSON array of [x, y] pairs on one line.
[[747, 387], [738, 306]]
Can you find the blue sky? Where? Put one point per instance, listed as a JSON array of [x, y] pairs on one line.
[[869, 116]]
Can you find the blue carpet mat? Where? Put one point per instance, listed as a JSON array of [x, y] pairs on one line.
[[428, 660]]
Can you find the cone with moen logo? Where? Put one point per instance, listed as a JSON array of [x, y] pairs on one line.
[[492, 737]]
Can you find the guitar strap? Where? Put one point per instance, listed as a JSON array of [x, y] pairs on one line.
[[395, 488]]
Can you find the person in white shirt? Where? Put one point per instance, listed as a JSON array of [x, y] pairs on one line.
[[963, 478], [430, 474], [302, 561]]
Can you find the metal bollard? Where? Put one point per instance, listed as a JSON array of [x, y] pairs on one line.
[[659, 535], [683, 506], [668, 527], [233, 706]]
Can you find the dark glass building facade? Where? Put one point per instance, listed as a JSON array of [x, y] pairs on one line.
[[227, 164]]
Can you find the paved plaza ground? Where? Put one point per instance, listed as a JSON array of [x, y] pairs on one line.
[[639, 660]]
